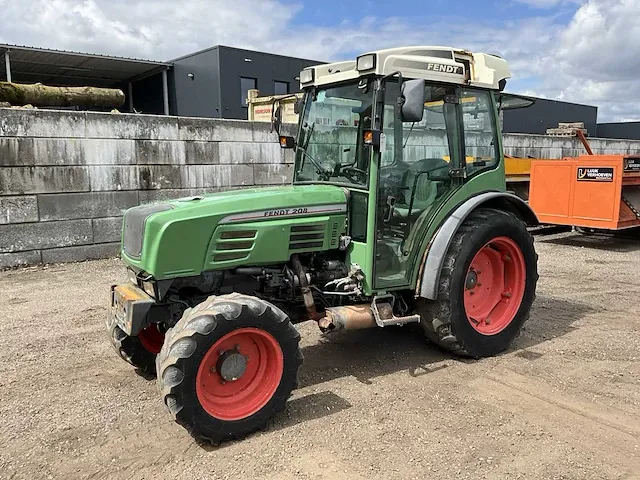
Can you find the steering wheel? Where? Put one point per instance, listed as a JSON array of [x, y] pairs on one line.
[[356, 172]]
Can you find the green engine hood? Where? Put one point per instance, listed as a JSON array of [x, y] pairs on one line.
[[182, 237]]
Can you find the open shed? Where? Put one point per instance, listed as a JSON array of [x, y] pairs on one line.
[[23, 64]]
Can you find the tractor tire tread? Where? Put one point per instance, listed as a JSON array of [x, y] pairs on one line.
[[180, 343], [436, 323], [130, 349]]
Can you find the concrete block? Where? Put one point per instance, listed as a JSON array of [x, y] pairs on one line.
[[215, 130], [31, 236], [151, 196], [273, 174], [41, 123], [69, 206], [107, 229], [289, 155], [151, 152], [20, 259], [572, 152], [21, 151], [271, 153], [103, 151], [106, 177], [25, 180], [80, 254], [261, 132], [202, 153], [289, 129], [18, 209], [551, 152], [155, 177], [213, 176], [124, 125], [237, 153], [16, 151], [57, 151]]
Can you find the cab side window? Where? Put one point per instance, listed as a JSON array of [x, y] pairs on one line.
[[480, 135]]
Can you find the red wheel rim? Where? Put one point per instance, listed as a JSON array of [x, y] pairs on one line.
[[244, 396], [152, 339], [494, 286]]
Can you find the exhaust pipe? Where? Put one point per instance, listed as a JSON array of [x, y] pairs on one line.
[[351, 317]]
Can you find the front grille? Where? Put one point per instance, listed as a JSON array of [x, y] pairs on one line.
[[133, 229]]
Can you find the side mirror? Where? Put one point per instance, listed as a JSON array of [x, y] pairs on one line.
[[276, 119], [412, 99], [287, 142], [297, 107]]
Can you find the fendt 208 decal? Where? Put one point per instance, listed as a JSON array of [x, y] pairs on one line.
[[285, 212]]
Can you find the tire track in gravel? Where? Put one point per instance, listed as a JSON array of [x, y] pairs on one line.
[[606, 431]]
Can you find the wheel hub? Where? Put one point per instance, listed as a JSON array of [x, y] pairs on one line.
[[231, 365], [472, 280]]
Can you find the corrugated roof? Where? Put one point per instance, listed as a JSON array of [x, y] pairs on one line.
[[60, 67]]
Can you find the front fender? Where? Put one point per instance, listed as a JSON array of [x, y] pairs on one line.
[[430, 276]]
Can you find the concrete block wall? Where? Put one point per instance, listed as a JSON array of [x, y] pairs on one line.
[[67, 177]]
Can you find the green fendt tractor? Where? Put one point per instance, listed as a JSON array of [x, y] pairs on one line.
[[398, 214]]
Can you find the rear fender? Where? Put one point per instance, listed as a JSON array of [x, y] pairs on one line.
[[437, 250]]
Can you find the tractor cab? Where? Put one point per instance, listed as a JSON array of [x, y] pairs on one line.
[[404, 130]]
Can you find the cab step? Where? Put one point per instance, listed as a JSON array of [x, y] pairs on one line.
[[382, 308]]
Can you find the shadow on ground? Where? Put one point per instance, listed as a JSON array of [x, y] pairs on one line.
[[596, 242], [550, 318]]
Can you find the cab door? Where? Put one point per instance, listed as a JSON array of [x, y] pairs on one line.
[[420, 166], [423, 166]]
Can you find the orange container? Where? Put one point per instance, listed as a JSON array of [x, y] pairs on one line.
[[594, 191]]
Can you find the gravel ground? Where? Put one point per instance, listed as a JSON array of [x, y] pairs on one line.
[[563, 403]]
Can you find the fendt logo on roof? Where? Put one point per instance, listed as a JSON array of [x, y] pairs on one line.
[[441, 68]]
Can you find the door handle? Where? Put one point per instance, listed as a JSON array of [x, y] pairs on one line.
[[391, 202]]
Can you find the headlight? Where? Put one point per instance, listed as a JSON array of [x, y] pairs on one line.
[[366, 62], [149, 288], [306, 76]]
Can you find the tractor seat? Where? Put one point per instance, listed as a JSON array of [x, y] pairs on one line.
[[426, 186]]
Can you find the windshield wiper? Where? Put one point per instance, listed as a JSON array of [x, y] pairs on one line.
[[319, 168]]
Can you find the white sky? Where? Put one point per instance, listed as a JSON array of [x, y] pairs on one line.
[[590, 56]]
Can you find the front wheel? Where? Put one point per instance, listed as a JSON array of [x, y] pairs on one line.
[[487, 286], [228, 366]]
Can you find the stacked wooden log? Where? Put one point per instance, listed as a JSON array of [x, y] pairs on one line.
[[38, 95]]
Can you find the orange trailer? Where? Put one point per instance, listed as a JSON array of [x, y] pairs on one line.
[[593, 191]]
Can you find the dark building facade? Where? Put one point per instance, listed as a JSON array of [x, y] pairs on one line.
[[621, 130], [214, 82], [543, 114]]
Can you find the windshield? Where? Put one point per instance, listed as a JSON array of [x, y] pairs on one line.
[[329, 147]]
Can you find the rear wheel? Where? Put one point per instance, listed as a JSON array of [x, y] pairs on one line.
[[228, 366], [486, 288], [140, 351]]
